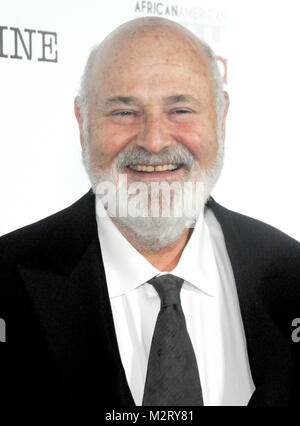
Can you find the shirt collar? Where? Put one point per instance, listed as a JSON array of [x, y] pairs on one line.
[[126, 269], [197, 263]]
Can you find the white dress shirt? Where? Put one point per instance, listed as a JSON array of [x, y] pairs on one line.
[[209, 302]]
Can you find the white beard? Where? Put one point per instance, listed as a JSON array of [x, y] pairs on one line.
[[155, 233]]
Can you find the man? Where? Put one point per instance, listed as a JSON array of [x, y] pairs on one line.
[[87, 322]]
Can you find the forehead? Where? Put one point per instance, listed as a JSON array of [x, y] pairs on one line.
[[154, 62]]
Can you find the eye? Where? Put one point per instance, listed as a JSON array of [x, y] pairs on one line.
[[124, 116], [123, 113], [181, 111], [181, 115]]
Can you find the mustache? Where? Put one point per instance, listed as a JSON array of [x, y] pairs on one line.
[[139, 155]]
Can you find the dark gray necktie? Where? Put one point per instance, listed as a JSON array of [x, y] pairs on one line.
[[172, 375]]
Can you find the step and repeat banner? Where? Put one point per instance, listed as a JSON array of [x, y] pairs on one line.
[[43, 49]]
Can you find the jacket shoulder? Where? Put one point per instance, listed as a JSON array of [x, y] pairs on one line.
[[51, 236], [250, 229]]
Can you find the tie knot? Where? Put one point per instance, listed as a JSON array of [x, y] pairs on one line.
[[168, 288]]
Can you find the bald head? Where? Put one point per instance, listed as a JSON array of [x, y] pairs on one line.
[[148, 40]]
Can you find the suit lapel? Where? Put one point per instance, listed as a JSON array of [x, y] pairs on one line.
[[268, 350], [74, 314]]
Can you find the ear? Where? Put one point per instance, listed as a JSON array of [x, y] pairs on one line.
[[79, 120], [226, 96]]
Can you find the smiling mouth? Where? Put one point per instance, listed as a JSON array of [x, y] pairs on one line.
[[159, 168]]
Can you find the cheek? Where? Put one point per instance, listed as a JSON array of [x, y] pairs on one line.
[[201, 140], [107, 140]]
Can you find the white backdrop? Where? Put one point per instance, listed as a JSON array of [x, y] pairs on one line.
[[40, 161]]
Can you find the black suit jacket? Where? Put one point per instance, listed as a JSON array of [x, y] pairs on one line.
[[61, 348]]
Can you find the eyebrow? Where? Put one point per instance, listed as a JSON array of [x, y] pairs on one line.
[[127, 100], [174, 99]]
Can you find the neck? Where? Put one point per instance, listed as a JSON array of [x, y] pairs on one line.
[[165, 259]]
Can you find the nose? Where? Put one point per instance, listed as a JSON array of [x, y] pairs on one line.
[[154, 134]]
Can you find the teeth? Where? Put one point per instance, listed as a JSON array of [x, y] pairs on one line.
[[161, 168]]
